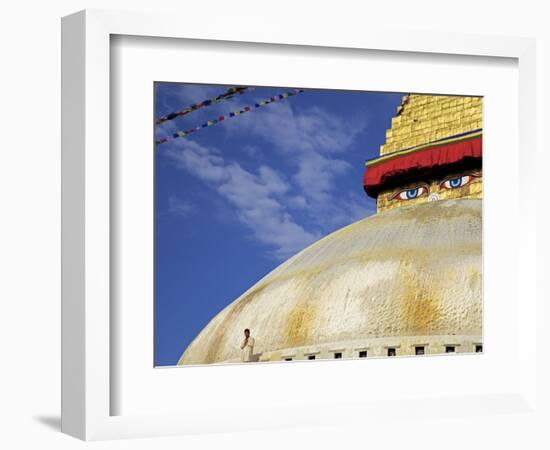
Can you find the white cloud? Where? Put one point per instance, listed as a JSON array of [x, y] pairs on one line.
[[316, 175], [312, 144], [314, 129], [257, 197], [251, 150], [180, 207], [272, 180], [297, 202]]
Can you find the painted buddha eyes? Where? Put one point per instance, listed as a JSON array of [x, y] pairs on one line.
[[412, 193], [422, 190], [453, 183]]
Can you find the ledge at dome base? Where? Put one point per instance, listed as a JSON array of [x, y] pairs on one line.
[[374, 348]]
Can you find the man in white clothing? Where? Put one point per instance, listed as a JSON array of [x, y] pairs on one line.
[[247, 346]]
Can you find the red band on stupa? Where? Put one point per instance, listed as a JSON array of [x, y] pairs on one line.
[[379, 171]]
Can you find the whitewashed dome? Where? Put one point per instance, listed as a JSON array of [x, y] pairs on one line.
[[409, 271]]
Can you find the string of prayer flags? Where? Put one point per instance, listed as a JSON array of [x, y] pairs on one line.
[[231, 92], [246, 109]]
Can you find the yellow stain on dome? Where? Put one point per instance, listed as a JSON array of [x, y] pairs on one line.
[[298, 324]]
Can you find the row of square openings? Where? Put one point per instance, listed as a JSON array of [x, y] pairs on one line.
[[392, 351]]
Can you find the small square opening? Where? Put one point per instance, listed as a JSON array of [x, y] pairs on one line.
[[479, 348], [450, 349], [363, 354], [338, 355], [391, 351], [288, 359], [311, 357], [419, 350]]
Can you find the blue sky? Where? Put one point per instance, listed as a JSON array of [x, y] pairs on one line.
[[236, 199]]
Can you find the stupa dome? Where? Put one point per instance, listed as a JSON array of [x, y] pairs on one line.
[[404, 277]]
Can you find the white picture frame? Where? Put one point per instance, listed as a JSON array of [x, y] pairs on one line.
[[88, 387]]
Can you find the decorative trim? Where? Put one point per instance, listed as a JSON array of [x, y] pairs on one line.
[[417, 148]]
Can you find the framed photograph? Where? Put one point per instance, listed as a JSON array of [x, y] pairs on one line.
[[258, 227], [269, 249]]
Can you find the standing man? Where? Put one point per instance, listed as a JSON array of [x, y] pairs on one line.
[[247, 346]]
